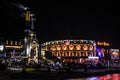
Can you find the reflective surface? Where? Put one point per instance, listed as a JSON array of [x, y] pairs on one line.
[[104, 77]]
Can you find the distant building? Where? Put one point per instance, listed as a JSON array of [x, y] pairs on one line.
[[66, 50], [103, 49], [114, 58], [71, 50]]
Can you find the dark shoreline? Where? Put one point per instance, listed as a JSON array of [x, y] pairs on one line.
[[58, 75]]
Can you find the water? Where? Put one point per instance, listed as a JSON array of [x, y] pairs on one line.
[[115, 76]]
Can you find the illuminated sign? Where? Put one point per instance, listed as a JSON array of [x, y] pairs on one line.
[[103, 43], [114, 53]]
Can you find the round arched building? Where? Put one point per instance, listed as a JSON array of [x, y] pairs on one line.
[[70, 50]]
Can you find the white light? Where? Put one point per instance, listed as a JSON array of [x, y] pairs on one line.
[[25, 8], [59, 57], [94, 44], [93, 57], [1, 47]]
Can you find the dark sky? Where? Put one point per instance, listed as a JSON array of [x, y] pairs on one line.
[[97, 20]]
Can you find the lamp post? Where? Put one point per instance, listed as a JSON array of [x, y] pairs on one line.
[[2, 53], [1, 48]]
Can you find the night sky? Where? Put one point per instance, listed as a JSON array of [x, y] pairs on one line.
[[63, 20]]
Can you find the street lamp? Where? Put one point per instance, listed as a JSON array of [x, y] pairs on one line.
[[1, 48], [2, 53]]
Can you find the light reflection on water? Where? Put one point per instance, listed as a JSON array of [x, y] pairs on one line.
[[104, 77]]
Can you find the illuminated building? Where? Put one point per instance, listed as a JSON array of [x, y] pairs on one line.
[[103, 51], [28, 48], [66, 50], [13, 47], [114, 57], [71, 50], [31, 46], [11, 50]]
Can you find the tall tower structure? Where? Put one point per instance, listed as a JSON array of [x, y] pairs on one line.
[[30, 41]]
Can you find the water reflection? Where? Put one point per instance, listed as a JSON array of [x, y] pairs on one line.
[[104, 77]]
